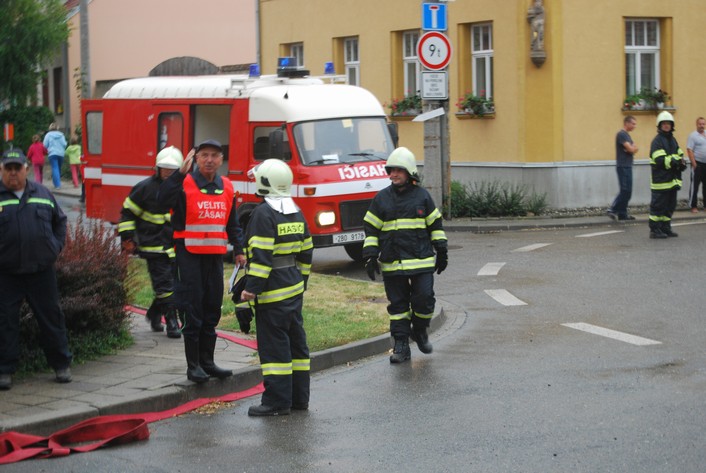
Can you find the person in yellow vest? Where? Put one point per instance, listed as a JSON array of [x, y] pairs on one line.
[[204, 222]]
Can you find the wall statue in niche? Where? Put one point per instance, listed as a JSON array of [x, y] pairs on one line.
[[535, 17]]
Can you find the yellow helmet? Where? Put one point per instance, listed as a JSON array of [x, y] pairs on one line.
[[665, 116], [169, 158], [402, 158], [273, 178]]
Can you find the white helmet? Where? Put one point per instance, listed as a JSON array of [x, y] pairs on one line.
[[402, 158], [273, 178], [169, 158], [665, 116]]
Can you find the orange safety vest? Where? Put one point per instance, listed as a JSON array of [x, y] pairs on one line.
[[206, 218]]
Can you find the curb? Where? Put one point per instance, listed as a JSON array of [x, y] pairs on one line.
[[169, 397]]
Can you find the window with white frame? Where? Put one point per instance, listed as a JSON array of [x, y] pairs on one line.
[[641, 55], [296, 50], [351, 61], [482, 59], [411, 64]]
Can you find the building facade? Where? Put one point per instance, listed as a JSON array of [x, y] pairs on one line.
[[133, 38], [555, 114]]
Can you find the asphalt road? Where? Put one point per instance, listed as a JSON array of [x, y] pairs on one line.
[[509, 387]]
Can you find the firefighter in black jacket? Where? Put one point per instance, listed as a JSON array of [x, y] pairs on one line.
[[403, 229], [204, 222], [667, 163], [280, 250], [145, 227], [32, 234]]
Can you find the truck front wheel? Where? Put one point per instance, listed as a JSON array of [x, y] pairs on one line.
[[355, 251]]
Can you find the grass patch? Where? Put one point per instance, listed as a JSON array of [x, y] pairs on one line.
[[336, 310]]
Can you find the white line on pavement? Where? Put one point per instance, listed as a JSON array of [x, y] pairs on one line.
[[588, 235], [490, 269], [504, 297], [700, 222], [536, 246], [605, 332]]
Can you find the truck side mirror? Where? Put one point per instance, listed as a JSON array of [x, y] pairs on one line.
[[279, 148], [394, 134]]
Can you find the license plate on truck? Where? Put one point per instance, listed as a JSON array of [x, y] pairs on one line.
[[350, 237]]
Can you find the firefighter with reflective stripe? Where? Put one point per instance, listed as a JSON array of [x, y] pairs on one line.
[[204, 222], [145, 227], [667, 163], [403, 229], [280, 250], [32, 234]]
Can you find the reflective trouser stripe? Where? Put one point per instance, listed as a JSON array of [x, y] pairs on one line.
[[282, 369], [403, 316], [301, 365]]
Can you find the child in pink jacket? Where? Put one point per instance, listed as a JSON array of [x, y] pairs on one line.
[[37, 154]]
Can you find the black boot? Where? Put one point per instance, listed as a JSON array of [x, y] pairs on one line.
[[207, 345], [172, 324], [194, 372], [401, 351], [154, 318], [667, 230], [422, 339]]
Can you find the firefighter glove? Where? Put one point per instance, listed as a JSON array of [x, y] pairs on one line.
[[442, 260], [372, 267]]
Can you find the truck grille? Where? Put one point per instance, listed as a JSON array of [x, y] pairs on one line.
[[352, 214]]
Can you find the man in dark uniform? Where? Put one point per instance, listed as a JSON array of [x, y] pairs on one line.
[[403, 228], [145, 227], [280, 250], [667, 163], [32, 234], [204, 222]]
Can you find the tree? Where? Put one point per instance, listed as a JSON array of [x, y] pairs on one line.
[[31, 34]]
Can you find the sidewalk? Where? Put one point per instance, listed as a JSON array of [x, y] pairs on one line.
[[151, 375]]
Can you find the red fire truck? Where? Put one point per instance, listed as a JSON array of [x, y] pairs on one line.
[[335, 138]]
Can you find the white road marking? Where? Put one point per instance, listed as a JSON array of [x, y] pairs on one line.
[[490, 269], [504, 297], [605, 332], [589, 235], [700, 222], [536, 246]]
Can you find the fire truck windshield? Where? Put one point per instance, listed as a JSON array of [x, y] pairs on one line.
[[342, 140]]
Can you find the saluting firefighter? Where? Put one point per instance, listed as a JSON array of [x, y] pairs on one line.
[[204, 222], [403, 229], [145, 227], [667, 163], [280, 250]]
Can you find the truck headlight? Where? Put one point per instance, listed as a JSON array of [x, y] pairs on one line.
[[324, 219]]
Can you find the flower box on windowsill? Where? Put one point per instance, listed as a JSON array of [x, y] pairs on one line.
[[406, 115], [469, 114], [648, 111]]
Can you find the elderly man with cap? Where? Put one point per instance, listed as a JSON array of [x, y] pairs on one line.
[[204, 222], [145, 227], [32, 234]]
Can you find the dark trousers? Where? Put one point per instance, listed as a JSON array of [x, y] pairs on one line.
[[161, 271], [42, 295], [284, 353], [699, 179], [199, 292], [411, 302], [662, 207], [620, 204]]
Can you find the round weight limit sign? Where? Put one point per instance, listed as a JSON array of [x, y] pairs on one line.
[[434, 50]]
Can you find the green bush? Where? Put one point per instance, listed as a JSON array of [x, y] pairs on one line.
[[27, 121], [94, 287], [494, 199]]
